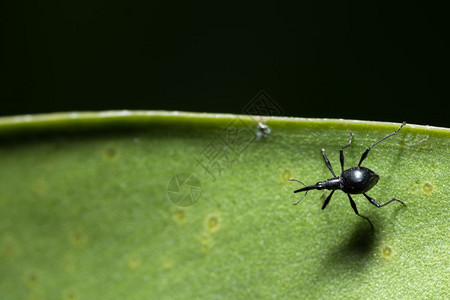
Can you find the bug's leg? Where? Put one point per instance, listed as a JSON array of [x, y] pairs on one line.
[[324, 195], [341, 152], [325, 203], [353, 204], [327, 162], [364, 155], [374, 202]]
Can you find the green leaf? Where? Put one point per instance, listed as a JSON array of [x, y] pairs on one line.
[[87, 209]]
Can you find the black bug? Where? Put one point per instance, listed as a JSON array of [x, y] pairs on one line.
[[356, 180]]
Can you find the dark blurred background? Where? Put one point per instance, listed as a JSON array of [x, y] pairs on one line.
[[369, 60]]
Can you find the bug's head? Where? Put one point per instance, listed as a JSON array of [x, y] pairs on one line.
[[305, 189], [319, 186]]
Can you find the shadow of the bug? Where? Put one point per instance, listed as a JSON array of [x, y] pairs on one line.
[[355, 251]]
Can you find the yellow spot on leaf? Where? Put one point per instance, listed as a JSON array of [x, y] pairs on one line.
[[39, 187], [212, 222], [70, 294], [286, 175], [387, 252], [428, 188], [206, 243], [110, 154], [9, 247], [32, 279], [134, 262], [78, 238], [179, 216], [167, 264]]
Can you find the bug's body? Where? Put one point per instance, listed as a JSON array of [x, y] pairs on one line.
[[356, 180]]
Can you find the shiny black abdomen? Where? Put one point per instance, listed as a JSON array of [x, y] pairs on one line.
[[358, 180]]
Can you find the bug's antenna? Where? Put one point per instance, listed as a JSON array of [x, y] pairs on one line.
[[292, 179], [364, 155]]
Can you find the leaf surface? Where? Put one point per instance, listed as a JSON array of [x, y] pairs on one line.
[[87, 209]]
